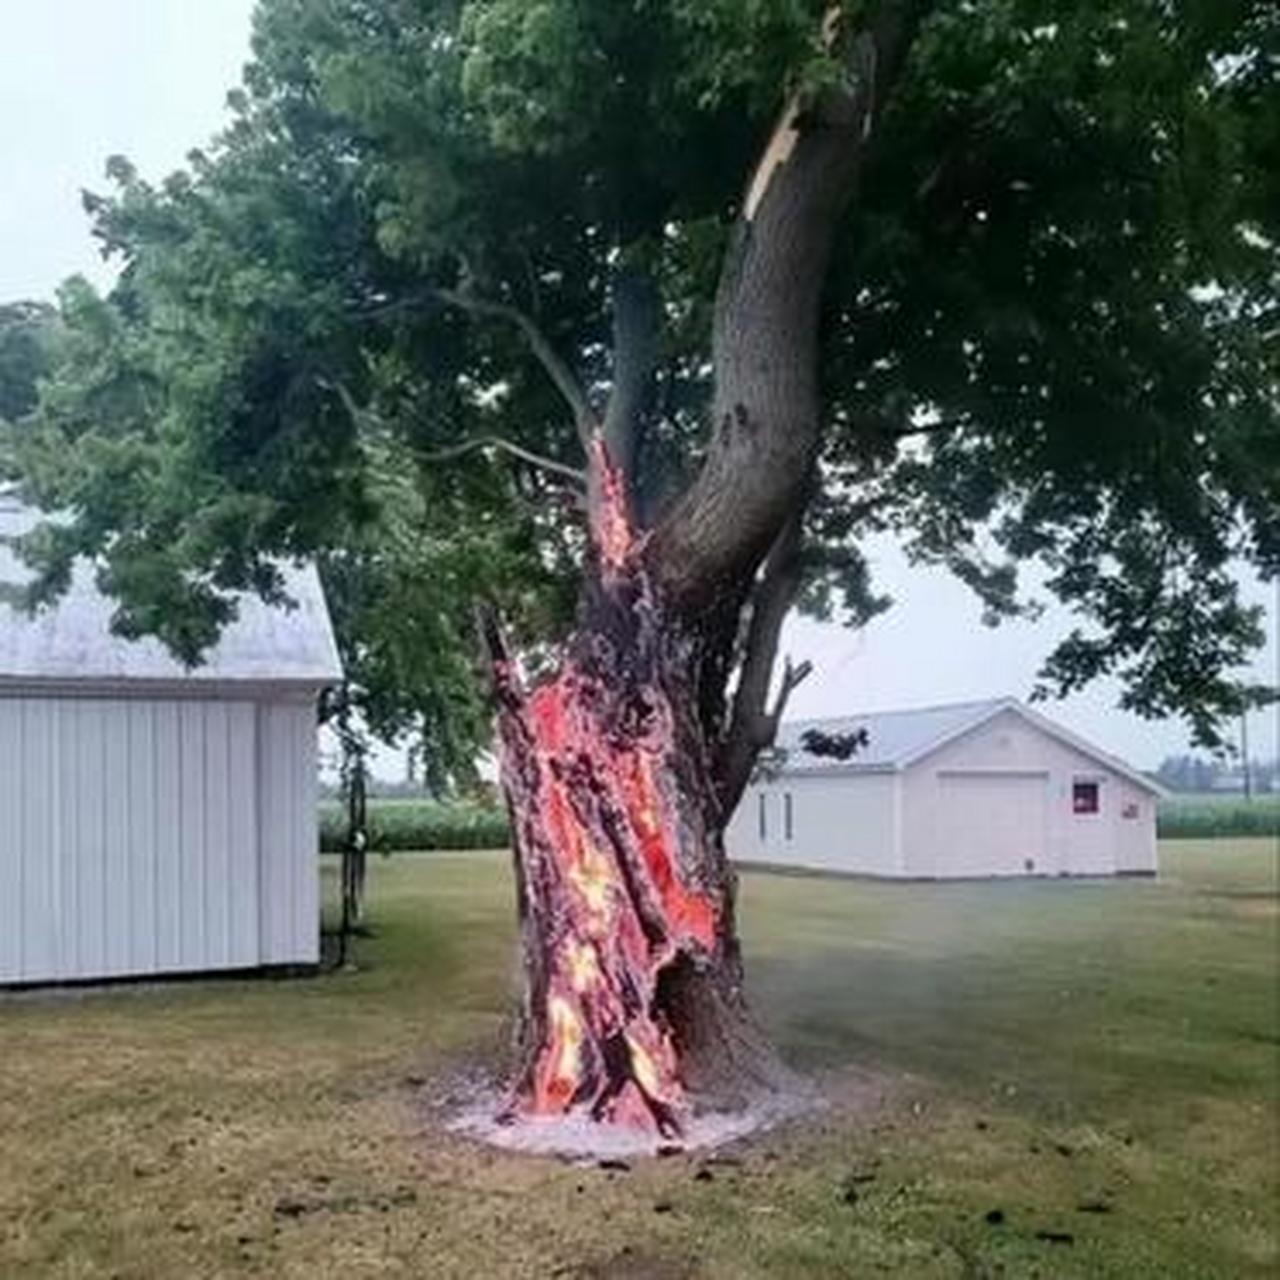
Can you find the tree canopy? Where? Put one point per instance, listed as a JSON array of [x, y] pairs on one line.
[[363, 325]]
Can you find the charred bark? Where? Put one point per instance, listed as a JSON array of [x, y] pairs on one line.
[[636, 328], [633, 1009]]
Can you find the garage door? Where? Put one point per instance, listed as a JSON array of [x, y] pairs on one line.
[[991, 824]]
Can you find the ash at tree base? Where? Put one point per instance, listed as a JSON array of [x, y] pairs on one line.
[[576, 1136]]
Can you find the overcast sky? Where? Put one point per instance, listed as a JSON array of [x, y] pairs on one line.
[[83, 79]]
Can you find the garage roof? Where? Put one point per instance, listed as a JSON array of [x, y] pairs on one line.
[[71, 644], [893, 738], [896, 739]]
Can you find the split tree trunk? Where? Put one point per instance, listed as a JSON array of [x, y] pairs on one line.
[[633, 1009]]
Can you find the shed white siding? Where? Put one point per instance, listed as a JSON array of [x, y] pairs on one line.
[[154, 836], [153, 818], [832, 827], [973, 789], [289, 908]]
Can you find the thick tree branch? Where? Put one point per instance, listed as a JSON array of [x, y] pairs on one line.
[[636, 320], [752, 724], [766, 409]]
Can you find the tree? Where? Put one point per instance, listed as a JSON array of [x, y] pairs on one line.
[[678, 300], [1189, 773], [27, 342]]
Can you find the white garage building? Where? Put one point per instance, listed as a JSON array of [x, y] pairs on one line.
[[155, 820], [972, 789]]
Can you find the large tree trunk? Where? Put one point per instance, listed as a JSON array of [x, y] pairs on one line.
[[633, 1009], [766, 414]]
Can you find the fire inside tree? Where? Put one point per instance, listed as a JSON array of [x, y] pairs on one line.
[[625, 899]]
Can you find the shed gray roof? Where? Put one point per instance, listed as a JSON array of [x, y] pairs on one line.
[[72, 642], [896, 739]]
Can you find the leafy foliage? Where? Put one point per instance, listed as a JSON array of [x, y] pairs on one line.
[[1050, 329], [28, 333], [1090, 374], [836, 746]]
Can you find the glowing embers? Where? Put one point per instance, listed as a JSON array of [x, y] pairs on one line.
[[593, 878], [602, 879], [588, 761], [612, 522], [691, 915], [584, 968], [561, 1068]]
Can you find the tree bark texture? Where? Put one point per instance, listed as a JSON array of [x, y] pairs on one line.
[[632, 1009], [766, 412]]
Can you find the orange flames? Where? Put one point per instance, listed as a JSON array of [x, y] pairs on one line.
[[611, 523], [601, 859]]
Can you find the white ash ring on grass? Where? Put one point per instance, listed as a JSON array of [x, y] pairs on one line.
[[479, 1112]]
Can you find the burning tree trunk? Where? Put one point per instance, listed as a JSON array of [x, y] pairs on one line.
[[633, 979]]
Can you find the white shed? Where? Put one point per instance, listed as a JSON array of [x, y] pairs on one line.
[[973, 789], [155, 820]]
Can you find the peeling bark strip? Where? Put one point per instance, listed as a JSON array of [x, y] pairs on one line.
[[595, 769], [784, 138]]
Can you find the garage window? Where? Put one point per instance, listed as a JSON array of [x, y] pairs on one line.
[[764, 816], [787, 827], [1084, 797]]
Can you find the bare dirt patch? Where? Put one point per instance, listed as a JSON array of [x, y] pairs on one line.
[[634, 1264], [1262, 907]]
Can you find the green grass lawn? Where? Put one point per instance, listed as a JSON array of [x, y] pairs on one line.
[[1093, 1066]]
